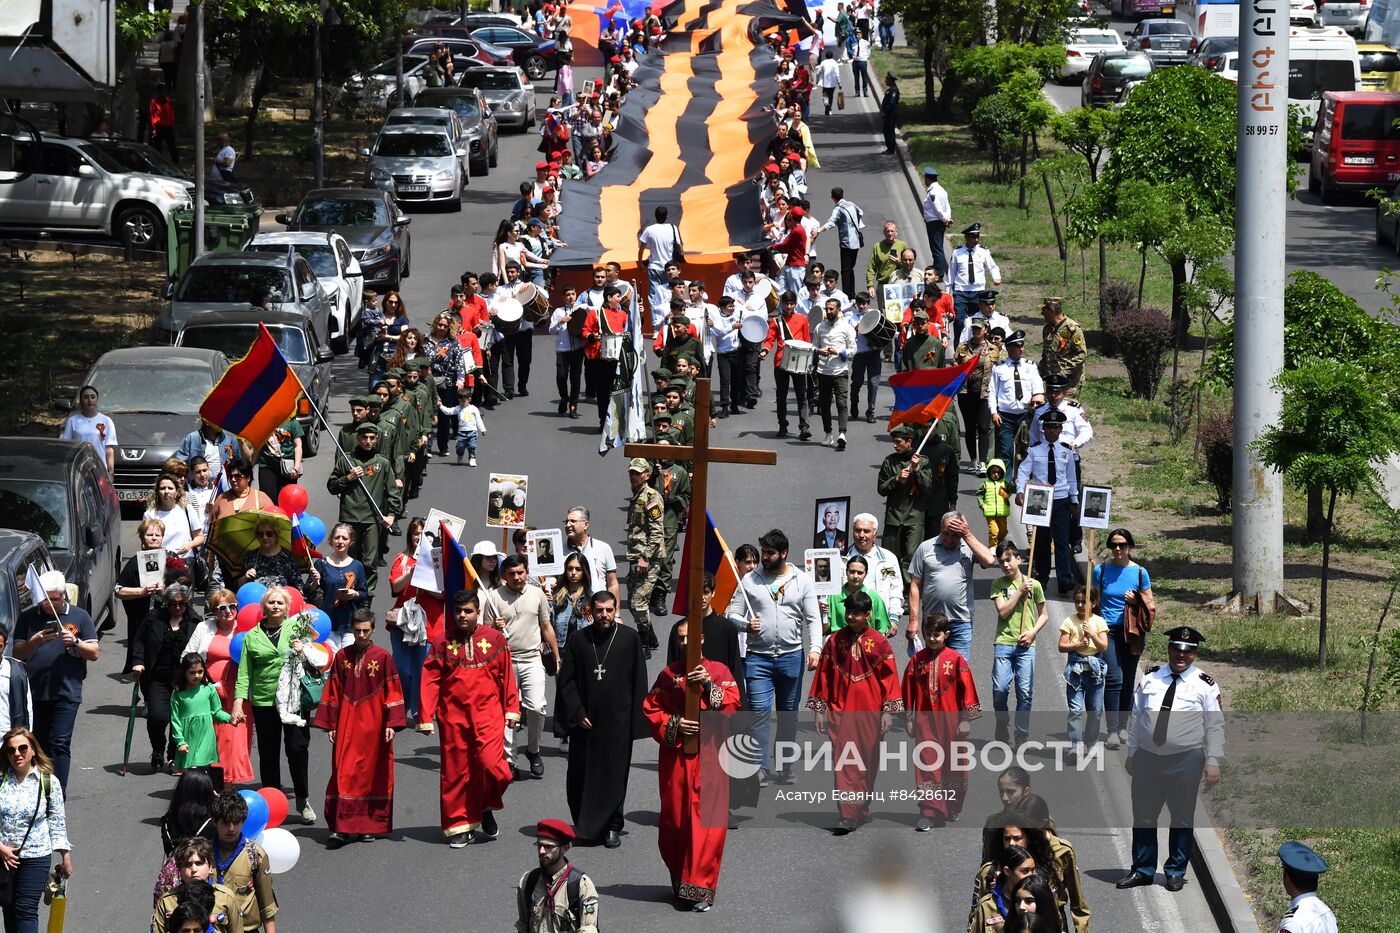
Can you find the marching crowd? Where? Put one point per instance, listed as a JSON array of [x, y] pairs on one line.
[[287, 642]]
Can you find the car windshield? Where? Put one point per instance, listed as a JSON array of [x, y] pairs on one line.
[[232, 284], [491, 80], [1130, 66], [105, 159], [233, 340], [415, 119], [1310, 78], [1095, 38], [178, 390], [1380, 61], [1369, 121], [138, 158], [389, 68], [321, 257], [367, 212], [412, 145], [36, 506], [464, 104]]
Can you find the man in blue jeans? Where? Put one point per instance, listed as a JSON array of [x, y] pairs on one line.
[[777, 605], [56, 641], [940, 580]]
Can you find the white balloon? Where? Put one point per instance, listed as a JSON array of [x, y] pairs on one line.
[[283, 849]]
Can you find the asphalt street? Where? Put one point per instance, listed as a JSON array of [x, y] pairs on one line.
[[794, 876]]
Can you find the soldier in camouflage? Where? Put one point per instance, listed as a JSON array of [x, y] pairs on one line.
[[646, 547], [672, 480]]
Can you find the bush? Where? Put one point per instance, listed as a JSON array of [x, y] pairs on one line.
[[996, 128], [1144, 336], [1218, 452], [1116, 298]]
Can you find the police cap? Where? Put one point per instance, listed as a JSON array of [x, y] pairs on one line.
[[1301, 858], [1184, 638]]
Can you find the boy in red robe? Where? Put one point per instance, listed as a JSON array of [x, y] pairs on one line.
[[469, 669], [940, 701], [361, 709], [692, 832], [856, 678]]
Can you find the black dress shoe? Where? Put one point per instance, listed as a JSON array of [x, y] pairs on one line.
[[335, 841], [1175, 882], [536, 764], [1134, 879], [488, 825], [613, 841], [806, 435], [563, 407], [573, 412]]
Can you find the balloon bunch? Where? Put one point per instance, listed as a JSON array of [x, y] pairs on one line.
[[267, 809]]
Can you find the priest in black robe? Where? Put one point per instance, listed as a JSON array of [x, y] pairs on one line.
[[602, 683]]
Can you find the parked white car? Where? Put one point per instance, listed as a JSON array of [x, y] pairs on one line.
[[1084, 43], [336, 269], [80, 187], [1302, 12], [417, 164]]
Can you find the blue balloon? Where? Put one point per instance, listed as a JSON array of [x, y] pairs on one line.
[[235, 648], [321, 622], [257, 813], [313, 529], [250, 593]]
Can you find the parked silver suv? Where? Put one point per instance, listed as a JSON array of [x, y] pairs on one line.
[[233, 281], [418, 164], [80, 187]]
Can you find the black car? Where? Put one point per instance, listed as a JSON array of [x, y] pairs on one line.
[[231, 333], [535, 56], [1109, 73], [370, 222], [153, 395], [60, 491], [140, 157], [1213, 50], [478, 123], [19, 551]]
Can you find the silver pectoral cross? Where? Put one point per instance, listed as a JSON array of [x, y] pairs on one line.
[[600, 670]]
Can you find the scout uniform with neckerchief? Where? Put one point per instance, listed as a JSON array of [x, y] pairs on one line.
[[226, 917], [564, 903], [248, 874], [646, 539]]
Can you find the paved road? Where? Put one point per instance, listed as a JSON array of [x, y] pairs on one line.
[[789, 877]]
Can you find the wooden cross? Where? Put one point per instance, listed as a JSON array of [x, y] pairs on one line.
[[700, 455]]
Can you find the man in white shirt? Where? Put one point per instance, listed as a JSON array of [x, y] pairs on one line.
[[991, 317], [728, 350], [969, 273], [830, 290], [828, 79], [1013, 393], [221, 169], [16, 702], [593, 298], [753, 303], [602, 565], [885, 575], [938, 217], [657, 244], [89, 424], [836, 348]]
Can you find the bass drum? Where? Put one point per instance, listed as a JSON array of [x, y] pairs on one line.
[[535, 301], [875, 327], [508, 315]]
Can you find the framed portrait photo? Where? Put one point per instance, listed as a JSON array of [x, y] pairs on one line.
[[832, 524], [1039, 501], [1094, 506]]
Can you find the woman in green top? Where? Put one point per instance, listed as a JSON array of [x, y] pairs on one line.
[[265, 649], [1021, 614], [856, 571], [194, 707]]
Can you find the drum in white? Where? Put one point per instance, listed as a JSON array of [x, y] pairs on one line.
[[754, 329], [875, 327], [508, 315], [611, 347], [797, 357]]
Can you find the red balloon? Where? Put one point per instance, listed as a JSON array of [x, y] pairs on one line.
[[295, 602], [248, 617], [293, 499], [276, 805]]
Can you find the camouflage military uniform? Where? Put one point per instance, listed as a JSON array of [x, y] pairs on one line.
[[646, 539], [673, 482], [1063, 351]]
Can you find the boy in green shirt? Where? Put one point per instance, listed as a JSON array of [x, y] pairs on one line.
[[1021, 614]]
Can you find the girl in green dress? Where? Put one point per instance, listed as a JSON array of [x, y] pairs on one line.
[[194, 708]]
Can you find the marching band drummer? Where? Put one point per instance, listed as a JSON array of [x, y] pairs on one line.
[[603, 333], [789, 326]]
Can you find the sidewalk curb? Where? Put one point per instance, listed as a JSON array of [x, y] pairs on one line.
[[1222, 890]]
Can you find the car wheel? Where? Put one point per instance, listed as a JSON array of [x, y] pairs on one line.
[[313, 439], [341, 343], [1313, 186], [495, 154], [1395, 237], [536, 67], [142, 227], [455, 205], [478, 167], [407, 264], [1326, 192]]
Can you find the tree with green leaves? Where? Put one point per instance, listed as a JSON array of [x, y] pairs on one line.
[[1085, 131], [1335, 426]]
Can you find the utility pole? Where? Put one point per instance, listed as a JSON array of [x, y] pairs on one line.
[[318, 101], [1260, 208], [197, 228]]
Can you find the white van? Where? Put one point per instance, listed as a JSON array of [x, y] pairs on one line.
[[1320, 60]]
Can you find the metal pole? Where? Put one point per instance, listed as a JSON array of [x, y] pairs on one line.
[[318, 126], [197, 228], [1260, 207]]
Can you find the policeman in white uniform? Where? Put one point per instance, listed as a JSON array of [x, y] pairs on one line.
[[1076, 433], [970, 272], [1175, 742], [1053, 464], [987, 307], [1013, 393], [884, 575], [1306, 912]]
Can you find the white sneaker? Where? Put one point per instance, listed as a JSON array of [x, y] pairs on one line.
[[980, 468], [471, 461], [828, 441], [840, 442], [1112, 740]]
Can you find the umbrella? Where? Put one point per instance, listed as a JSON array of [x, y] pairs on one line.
[[234, 537], [131, 724]]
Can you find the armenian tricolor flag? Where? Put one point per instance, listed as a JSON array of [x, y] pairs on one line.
[[256, 395], [923, 395], [457, 571], [719, 560]]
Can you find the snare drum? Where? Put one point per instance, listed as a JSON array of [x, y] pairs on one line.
[[797, 357], [875, 327], [508, 315], [611, 346]]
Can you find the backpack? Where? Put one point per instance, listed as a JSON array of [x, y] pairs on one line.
[[572, 883]]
